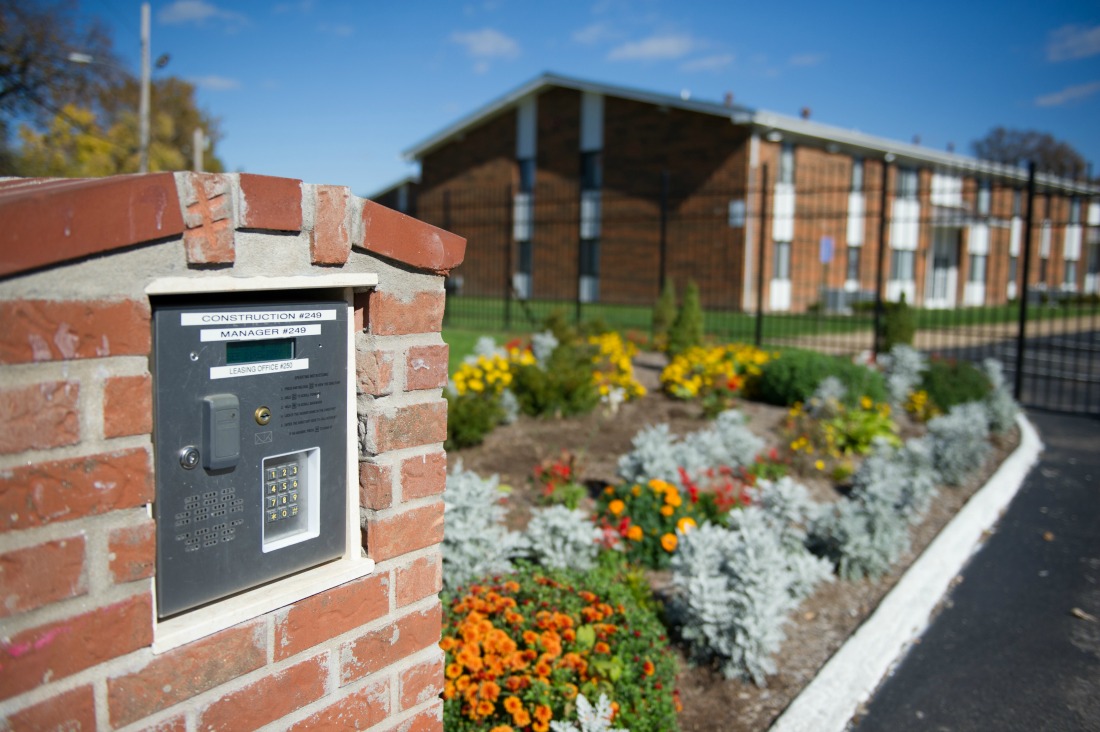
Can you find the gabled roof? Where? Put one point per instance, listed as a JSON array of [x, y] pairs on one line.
[[764, 122]]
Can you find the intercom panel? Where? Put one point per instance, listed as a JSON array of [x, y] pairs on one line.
[[251, 405]]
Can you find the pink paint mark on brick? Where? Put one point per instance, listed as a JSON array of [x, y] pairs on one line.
[[18, 650]]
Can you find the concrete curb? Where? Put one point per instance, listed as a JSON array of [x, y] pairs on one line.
[[853, 673]]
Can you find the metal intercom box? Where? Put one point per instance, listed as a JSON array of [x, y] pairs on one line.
[[250, 442]]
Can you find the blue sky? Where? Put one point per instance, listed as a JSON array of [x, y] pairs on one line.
[[332, 91]]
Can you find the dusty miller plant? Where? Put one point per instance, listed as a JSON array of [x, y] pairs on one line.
[[561, 538], [542, 346], [475, 543], [656, 453], [903, 367], [1000, 408], [827, 397], [735, 589], [589, 718], [959, 441], [866, 533]]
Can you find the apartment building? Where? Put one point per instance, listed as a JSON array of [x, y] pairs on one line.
[[570, 189]]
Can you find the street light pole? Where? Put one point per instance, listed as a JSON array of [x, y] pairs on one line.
[[143, 164]]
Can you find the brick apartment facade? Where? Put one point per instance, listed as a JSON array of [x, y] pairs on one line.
[[567, 188]]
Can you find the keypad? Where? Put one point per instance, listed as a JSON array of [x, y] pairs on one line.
[[283, 494]]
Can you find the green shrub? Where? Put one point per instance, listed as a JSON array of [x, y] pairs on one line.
[[687, 329], [470, 417], [563, 388], [949, 383], [794, 376], [899, 324], [664, 313]]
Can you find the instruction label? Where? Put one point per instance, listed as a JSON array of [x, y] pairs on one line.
[[259, 333], [256, 369], [256, 317]]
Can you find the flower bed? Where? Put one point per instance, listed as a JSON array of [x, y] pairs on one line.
[[649, 519]]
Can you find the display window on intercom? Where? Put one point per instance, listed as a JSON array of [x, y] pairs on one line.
[[250, 441]]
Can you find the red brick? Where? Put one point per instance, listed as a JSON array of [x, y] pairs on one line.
[[172, 724], [426, 367], [375, 486], [411, 426], [48, 330], [389, 315], [397, 236], [132, 552], [423, 476], [270, 203], [272, 697], [64, 490], [422, 578], [359, 710], [329, 614], [374, 372], [408, 531], [185, 672], [128, 406], [41, 574], [422, 682], [39, 416], [54, 651], [330, 242], [208, 216], [71, 710], [100, 215], [429, 720], [361, 301], [380, 648]]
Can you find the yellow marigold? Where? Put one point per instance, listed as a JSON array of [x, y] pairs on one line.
[[819, 464], [672, 497], [866, 402], [686, 523], [667, 511], [616, 507], [454, 670], [668, 542], [635, 533], [636, 491]]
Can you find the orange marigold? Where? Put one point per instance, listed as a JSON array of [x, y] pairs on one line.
[[602, 647], [521, 718], [667, 511], [616, 507], [485, 708], [648, 668], [454, 670], [668, 542], [502, 728], [635, 533], [512, 704], [543, 713]]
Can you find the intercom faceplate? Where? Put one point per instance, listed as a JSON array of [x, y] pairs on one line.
[[259, 390]]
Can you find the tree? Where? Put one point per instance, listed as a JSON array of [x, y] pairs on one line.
[[1017, 147], [37, 78], [82, 119]]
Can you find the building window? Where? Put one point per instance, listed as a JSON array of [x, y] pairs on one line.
[[591, 171], [1075, 210], [1070, 281], [786, 163], [782, 260], [857, 175], [977, 269], [853, 264], [1017, 202], [526, 175], [901, 265], [984, 196], [907, 183]]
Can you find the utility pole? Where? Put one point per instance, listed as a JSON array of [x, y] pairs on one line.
[[143, 164]]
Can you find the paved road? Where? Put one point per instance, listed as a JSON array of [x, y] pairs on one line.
[[1017, 646]]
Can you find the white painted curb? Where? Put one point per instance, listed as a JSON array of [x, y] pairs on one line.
[[854, 671]]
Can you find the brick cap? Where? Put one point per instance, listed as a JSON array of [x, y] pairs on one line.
[[49, 221]]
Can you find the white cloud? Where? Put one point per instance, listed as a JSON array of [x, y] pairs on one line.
[[342, 30], [487, 43], [593, 34], [806, 59], [215, 83], [708, 63], [195, 11], [1069, 94], [654, 48], [1073, 41]]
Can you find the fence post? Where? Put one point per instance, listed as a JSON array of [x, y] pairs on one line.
[[760, 255], [447, 226], [1021, 333], [509, 247], [879, 305]]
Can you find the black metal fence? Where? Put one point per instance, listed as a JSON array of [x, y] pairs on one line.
[[1001, 263]]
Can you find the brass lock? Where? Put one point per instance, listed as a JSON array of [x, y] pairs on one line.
[[263, 415]]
